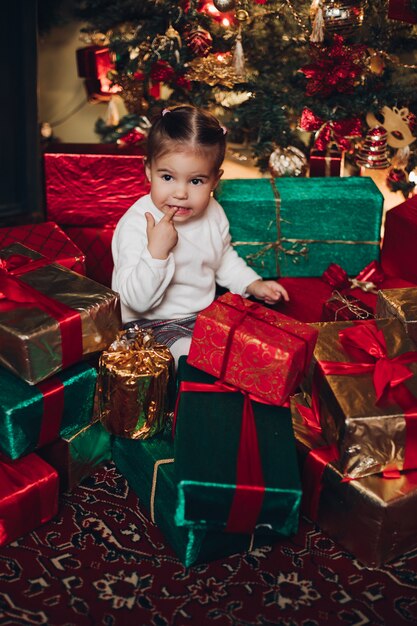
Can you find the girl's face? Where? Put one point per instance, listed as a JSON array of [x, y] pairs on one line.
[[183, 180]]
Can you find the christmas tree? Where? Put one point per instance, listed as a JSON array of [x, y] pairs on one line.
[[266, 67]]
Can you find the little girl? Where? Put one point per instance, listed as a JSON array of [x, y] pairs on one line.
[[173, 245]]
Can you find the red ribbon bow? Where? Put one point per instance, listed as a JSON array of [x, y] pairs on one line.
[[365, 343], [337, 131], [368, 279]]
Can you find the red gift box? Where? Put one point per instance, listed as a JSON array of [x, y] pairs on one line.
[[28, 496], [399, 243], [401, 10], [252, 347], [92, 186], [326, 162], [96, 245], [341, 307], [307, 297], [48, 239], [94, 63]]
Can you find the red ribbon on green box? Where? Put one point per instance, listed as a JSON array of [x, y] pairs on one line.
[[250, 485]]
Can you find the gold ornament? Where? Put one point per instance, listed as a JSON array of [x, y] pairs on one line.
[[224, 5], [133, 94], [376, 62], [288, 161], [242, 15], [343, 17], [212, 70]]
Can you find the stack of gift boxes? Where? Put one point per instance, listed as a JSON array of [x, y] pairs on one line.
[[271, 415], [53, 320]]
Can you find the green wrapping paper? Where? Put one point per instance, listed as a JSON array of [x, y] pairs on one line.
[[297, 226], [77, 453], [26, 419], [207, 446], [374, 518], [148, 466]]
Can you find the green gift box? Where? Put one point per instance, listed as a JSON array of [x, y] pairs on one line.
[[294, 226], [34, 415], [235, 459], [148, 466], [78, 453]]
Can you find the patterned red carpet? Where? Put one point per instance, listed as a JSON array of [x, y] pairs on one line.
[[102, 563]]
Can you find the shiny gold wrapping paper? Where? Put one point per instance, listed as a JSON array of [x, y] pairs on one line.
[[133, 385], [402, 304], [30, 339], [370, 438], [375, 518]]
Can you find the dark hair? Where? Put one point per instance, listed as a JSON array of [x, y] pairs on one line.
[[187, 125]]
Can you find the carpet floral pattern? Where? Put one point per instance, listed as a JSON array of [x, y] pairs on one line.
[[101, 562]]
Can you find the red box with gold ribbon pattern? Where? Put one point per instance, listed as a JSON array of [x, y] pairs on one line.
[[373, 517], [50, 317], [252, 347], [363, 379], [28, 496]]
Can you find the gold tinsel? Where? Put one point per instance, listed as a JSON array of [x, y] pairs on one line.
[[213, 71], [133, 94]]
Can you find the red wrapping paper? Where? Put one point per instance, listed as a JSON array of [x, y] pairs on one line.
[[401, 10], [341, 307], [96, 245], [326, 162], [252, 347], [399, 243], [94, 63], [95, 190], [48, 239], [28, 496]]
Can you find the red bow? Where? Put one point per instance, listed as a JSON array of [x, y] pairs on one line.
[[368, 279], [337, 131]]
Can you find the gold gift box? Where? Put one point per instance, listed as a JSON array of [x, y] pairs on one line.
[[374, 518], [370, 437], [402, 304], [30, 338], [134, 386]]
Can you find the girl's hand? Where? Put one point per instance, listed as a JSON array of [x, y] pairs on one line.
[[269, 291], [163, 236]]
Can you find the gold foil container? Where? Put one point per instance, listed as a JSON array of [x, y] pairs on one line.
[[133, 385], [30, 339], [374, 518], [402, 304], [370, 438]]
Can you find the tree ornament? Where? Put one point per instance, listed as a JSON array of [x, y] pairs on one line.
[[373, 153], [133, 94], [199, 41], [224, 6], [397, 124], [213, 70], [288, 161], [317, 20], [343, 17], [398, 180]]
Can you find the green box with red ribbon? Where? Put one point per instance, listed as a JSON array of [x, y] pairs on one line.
[[363, 381], [32, 416], [235, 459], [148, 466], [296, 226], [50, 316]]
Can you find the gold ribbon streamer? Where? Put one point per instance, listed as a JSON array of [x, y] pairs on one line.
[[357, 310], [299, 247], [153, 489]]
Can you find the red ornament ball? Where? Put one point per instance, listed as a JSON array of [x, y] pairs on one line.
[[199, 41]]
